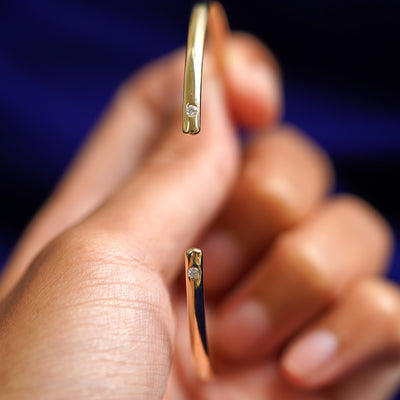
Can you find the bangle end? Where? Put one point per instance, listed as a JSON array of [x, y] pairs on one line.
[[196, 314]]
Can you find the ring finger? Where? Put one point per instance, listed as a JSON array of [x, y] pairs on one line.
[[305, 271]]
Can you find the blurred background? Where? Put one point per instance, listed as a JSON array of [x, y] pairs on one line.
[[61, 60]]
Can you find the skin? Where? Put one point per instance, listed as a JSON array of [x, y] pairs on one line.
[[92, 299]]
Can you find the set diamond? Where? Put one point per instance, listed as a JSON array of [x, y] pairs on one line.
[[191, 110], [193, 272]]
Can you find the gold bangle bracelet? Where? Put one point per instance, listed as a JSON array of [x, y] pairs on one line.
[[200, 15]]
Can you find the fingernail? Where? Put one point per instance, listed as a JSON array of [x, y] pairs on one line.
[[311, 353], [242, 328]]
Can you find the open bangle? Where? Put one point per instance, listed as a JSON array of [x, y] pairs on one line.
[[200, 15]]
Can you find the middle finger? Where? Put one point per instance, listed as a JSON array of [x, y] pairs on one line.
[[306, 270], [283, 178]]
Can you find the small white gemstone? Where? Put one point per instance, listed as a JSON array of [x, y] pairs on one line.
[[191, 110], [193, 272]]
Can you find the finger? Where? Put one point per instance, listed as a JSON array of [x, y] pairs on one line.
[[115, 148], [104, 280], [261, 381], [284, 177], [378, 380], [258, 382], [307, 269], [251, 73], [163, 208], [364, 325], [252, 80]]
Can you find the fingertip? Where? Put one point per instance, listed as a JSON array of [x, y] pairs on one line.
[[344, 341], [252, 81], [373, 223], [302, 363]]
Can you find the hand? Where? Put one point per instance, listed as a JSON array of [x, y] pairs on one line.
[[93, 305]]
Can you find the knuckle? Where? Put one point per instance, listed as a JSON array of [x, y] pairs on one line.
[[382, 300], [366, 219], [272, 172], [272, 193], [307, 265]]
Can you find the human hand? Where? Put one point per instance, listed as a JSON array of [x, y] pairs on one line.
[[92, 304]]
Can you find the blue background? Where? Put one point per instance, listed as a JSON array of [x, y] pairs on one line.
[[61, 60]]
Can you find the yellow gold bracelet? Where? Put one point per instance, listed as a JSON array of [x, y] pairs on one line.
[[200, 15]]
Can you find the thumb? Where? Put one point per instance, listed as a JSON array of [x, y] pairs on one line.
[[169, 202], [94, 306]]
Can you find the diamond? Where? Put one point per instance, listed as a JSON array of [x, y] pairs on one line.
[[193, 272], [191, 110]]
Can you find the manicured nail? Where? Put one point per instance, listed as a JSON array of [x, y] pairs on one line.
[[241, 329], [310, 353]]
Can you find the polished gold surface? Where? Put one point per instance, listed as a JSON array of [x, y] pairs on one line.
[[196, 315], [203, 15], [194, 68], [219, 29]]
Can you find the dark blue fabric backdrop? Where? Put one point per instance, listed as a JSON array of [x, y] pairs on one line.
[[60, 61]]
